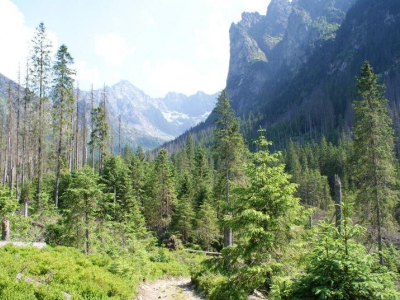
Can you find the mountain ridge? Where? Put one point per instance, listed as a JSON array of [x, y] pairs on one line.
[[303, 83], [145, 121]]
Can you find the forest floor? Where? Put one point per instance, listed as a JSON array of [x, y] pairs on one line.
[[168, 289]]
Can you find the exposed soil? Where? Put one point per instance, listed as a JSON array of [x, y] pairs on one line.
[[168, 289]]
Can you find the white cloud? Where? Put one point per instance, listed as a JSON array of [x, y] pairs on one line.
[[151, 21], [113, 48], [14, 37], [86, 76]]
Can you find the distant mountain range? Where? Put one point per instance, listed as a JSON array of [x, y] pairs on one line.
[[145, 121], [149, 122]]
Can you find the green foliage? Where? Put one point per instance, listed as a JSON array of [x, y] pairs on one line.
[[340, 268], [161, 195], [373, 149], [183, 218], [266, 211], [58, 270], [374, 168], [82, 200], [230, 152], [8, 204], [207, 230]]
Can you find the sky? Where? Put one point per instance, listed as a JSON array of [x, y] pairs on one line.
[[160, 46]]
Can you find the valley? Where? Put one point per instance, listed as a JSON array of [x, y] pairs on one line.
[[283, 185]]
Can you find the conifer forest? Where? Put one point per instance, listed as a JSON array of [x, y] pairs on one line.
[[312, 217]]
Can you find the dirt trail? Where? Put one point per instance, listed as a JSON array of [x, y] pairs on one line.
[[168, 289]]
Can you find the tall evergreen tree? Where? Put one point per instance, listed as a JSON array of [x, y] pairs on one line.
[[63, 103], [189, 149], [138, 168], [207, 231], [82, 199], [266, 211], [40, 81], [373, 153], [161, 195], [99, 137], [124, 209], [201, 177], [229, 149]]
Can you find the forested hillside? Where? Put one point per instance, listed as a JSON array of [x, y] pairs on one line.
[[295, 193]]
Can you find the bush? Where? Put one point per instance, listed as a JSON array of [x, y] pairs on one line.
[[340, 268], [57, 270]]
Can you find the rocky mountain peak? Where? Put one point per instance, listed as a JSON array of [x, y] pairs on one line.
[[262, 47], [249, 19]]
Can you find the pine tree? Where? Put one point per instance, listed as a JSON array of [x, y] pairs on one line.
[[82, 199], [229, 149], [189, 149], [373, 153], [207, 231], [138, 168], [201, 177], [161, 195], [266, 212], [40, 79], [340, 268], [99, 137], [124, 210], [63, 103]]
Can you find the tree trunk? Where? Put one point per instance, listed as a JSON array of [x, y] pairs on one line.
[[5, 229], [338, 202], [25, 208], [87, 242], [228, 235]]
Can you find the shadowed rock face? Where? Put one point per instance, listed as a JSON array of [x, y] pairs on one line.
[[262, 48]]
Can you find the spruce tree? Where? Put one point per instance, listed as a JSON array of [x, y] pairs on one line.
[[99, 137], [82, 199], [265, 214], [229, 149], [206, 225], [40, 69], [63, 103], [189, 149], [201, 177], [373, 153], [161, 195], [138, 168]]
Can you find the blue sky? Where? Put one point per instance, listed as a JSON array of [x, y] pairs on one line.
[[158, 45]]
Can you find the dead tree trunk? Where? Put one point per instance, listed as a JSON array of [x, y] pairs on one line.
[[5, 229], [338, 202]]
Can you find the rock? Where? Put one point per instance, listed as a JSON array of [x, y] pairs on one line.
[[266, 50]]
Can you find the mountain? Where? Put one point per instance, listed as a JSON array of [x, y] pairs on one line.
[[317, 98], [292, 71], [145, 121], [149, 122], [268, 51]]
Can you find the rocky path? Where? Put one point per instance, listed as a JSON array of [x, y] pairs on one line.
[[168, 289]]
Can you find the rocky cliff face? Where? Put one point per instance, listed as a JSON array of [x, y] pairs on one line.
[[308, 81], [270, 48]]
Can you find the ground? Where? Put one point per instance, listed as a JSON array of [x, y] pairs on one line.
[[168, 289]]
